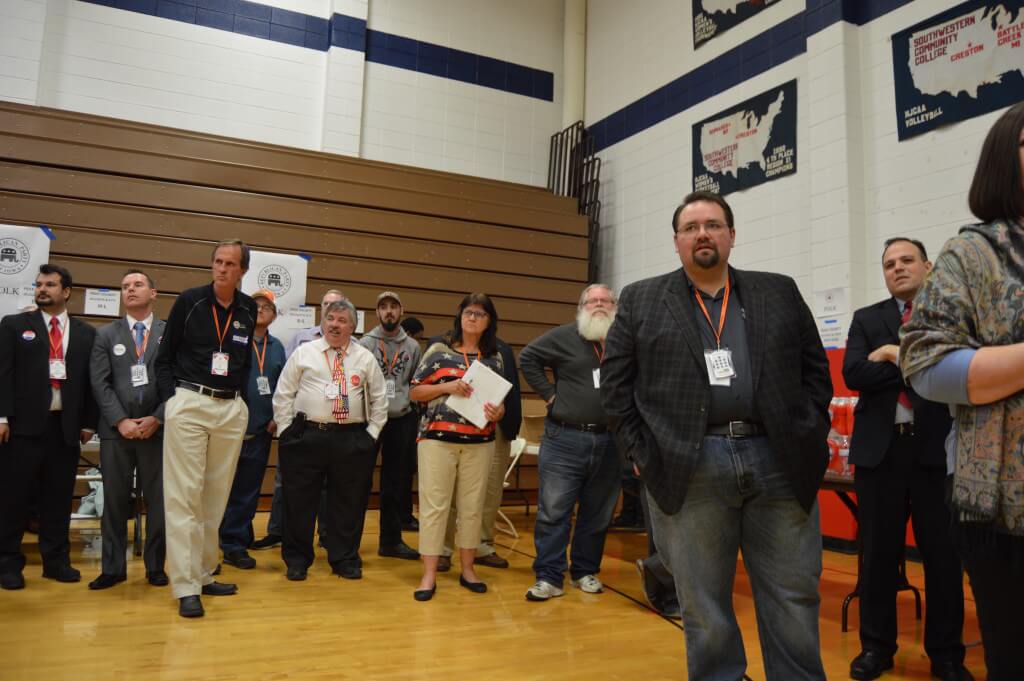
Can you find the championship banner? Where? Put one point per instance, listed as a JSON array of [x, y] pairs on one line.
[[285, 276], [749, 144], [961, 63], [22, 251], [711, 17]]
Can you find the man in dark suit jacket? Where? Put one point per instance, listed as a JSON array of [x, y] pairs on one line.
[[46, 412], [717, 387], [131, 433], [898, 448]]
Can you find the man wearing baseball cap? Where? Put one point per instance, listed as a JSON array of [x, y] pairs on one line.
[[397, 355], [267, 362]]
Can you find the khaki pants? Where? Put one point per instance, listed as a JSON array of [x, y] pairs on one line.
[[202, 439], [451, 472], [492, 500]]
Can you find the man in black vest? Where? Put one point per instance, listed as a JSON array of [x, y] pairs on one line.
[[898, 448], [47, 412]]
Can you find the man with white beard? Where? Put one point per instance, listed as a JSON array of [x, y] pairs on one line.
[[578, 463]]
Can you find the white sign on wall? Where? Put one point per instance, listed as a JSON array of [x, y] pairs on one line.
[[285, 276], [102, 302], [22, 251]]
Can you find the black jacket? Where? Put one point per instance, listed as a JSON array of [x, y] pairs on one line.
[[879, 384], [654, 382]]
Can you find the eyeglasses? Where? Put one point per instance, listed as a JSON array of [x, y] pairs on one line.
[[265, 308], [693, 228], [599, 301], [473, 314]]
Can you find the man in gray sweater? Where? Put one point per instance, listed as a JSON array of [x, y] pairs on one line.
[[578, 462], [398, 355]]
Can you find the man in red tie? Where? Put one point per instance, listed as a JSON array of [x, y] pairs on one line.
[[47, 411], [899, 454]]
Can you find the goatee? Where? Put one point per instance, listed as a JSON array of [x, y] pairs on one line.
[[389, 326]]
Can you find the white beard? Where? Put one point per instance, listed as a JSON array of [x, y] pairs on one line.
[[593, 328]]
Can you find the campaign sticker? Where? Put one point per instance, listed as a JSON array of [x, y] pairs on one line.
[[355, 379], [119, 349], [28, 335]]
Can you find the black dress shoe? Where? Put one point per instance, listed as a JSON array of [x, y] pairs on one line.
[[951, 671], [410, 525], [475, 587], [493, 560], [869, 665], [216, 570], [296, 574], [219, 589], [157, 578], [12, 581], [268, 542], [240, 559], [444, 563], [399, 550], [190, 606], [348, 571], [105, 581], [62, 573], [424, 594]]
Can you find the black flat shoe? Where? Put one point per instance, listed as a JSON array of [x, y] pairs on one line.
[[951, 671], [399, 550], [12, 581], [62, 573], [240, 559], [190, 606], [219, 589], [869, 665], [475, 587], [424, 594], [296, 574], [157, 578], [105, 581], [348, 571], [268, 542]]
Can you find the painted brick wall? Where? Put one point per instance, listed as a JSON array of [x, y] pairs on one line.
[[21, 46]]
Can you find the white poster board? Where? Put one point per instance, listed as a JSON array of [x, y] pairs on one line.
[[102, 302], [22, 251], [285, 275]]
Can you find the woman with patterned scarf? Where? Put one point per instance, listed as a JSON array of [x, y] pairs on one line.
[[964, 344]]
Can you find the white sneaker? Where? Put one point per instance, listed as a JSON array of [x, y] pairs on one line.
[[588, 584], [542, 591]]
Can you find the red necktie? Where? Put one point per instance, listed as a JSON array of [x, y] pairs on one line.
[[56, 346], [904, 398]]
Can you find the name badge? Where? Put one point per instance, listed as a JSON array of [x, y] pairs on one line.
[[219, 365], [597, 377], [263, 385], [58, 370], [241, 340], [139, 375], [720, 369], [331, 391], [389, 384]]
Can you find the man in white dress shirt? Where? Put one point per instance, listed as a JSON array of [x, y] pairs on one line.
[[330, 404]]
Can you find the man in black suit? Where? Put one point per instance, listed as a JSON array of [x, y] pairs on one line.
[[898, 448], [131, 429], [717, 387], [47, 412]]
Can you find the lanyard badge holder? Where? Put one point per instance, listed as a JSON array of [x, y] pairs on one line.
[[262, 382], [389, 370], [140, 376], [219, 362], [719, 361]]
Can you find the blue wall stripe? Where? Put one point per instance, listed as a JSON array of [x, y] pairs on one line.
[[350, 33], [777, 45]]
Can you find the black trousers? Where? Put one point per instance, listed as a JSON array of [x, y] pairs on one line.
[[885, 495], [998, 587], [38, 469], [119, 458], [344, 461], [398, 454], [659, 585]]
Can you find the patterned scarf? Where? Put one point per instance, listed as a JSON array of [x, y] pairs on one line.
[[974, 297]]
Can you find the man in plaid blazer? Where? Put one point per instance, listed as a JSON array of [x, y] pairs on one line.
[[717, 388]]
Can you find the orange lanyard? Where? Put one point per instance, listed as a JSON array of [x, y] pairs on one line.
[[145, 341], [216, 325], [721, 316], [256, 351], [599, 353], [390, 368], [465, 358]]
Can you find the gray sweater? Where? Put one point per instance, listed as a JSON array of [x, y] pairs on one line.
[[573, 360], [398, 362]]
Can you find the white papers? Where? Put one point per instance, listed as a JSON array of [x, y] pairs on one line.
[[833, 332], [487, 386], [831, 302], [360, 320], [102, 302]]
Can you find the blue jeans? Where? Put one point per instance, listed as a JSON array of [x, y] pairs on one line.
[[738, 500], [574, 467], [236, 527]]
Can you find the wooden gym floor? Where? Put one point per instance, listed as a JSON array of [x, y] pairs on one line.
[[330, 628]]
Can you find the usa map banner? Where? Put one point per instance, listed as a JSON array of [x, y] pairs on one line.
[[961, 63], [711, 17], [749, 144]]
